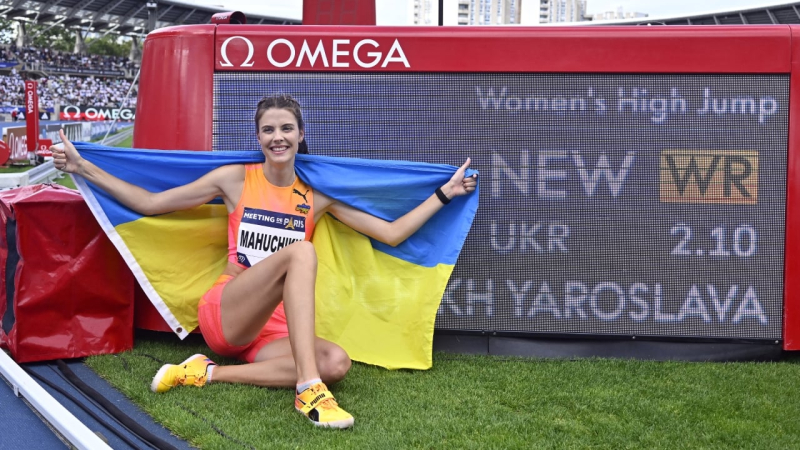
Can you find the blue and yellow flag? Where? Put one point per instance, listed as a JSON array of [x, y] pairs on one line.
[[378, 302]]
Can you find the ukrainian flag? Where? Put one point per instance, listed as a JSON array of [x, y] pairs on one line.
[[378, 302]]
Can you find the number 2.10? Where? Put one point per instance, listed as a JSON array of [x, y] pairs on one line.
[[744, 242]]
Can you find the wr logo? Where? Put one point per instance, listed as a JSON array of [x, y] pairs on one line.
[[709, 177]]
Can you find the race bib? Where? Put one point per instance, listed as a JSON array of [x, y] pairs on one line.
[[262, 233]]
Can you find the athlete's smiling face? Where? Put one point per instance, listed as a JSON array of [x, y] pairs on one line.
[[279, 135]]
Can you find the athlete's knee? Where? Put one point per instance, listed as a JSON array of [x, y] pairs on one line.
[[333, 363], [303, 252]]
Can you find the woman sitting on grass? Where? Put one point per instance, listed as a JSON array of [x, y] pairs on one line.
[[261, 309]]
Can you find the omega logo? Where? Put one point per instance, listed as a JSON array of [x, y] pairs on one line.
[[283, 53], [248, 62], [93, 113], [30, 91], [74, 116]]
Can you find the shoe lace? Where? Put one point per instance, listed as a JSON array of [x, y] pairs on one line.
[[329, 404]]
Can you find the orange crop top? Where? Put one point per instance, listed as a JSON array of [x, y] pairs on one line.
[[268, 218]]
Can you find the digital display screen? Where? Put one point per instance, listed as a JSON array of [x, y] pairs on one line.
[[611, 204]]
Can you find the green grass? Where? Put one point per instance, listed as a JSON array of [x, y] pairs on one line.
[[481, 402], [16, 169], [66, 181], [127, 143]]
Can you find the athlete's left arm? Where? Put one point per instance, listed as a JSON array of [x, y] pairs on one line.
[[393, 233]]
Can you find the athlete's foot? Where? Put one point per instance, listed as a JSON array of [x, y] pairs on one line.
[[317, 403], [192, 372]]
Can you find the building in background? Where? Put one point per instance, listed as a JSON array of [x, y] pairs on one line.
[[619, 14], [568, 11], [553, 11], [488, 12], [424, 12], [509, 12]]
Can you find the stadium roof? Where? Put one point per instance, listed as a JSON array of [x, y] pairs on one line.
[[781, 13], [130, 17], [117, 16]]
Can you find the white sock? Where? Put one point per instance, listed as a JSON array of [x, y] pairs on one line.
[[307, 384], [209, 372]]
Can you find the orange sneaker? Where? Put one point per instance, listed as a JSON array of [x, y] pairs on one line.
[[192, 372], [317, 403]]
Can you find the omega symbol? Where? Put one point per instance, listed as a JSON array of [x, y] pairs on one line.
[[77, 113], [224, 52]]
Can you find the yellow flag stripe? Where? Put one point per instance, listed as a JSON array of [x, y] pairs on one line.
[[379, 308]]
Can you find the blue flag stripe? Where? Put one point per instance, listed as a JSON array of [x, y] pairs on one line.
[[386, 189]]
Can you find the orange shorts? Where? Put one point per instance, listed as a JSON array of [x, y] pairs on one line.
[[208, 315]]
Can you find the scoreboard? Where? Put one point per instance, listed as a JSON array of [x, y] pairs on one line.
[[633, 179]]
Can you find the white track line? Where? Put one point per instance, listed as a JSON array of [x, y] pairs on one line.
[[59, 417]]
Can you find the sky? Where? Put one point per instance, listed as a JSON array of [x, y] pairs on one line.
[[396, 12], [666, 8]]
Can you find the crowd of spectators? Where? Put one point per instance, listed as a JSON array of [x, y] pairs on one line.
[[49, 58], [68, 90]]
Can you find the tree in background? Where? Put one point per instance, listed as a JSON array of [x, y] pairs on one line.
[[8, 31], [55, 38], [45, 36], [63, 39], [109, 45]]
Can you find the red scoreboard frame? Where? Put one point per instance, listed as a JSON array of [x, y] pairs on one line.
[[175, 102]]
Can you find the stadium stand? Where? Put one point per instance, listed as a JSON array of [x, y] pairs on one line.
[[65, 78], [68, 90], [53, 61], [127, 17]]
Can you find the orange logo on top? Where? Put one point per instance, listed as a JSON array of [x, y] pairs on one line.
[[709, 176]]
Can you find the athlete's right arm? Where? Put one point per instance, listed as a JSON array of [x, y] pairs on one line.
[[67, 159]]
